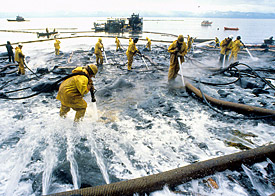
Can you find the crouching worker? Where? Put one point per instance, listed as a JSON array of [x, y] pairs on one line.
[[73, 89]]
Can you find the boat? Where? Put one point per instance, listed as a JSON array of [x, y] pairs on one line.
[[18, 19], [231, 28], [47, 34], [134, 23], [206, 23]]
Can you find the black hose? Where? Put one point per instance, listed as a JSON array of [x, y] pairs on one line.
[[253, 71], [47, 88]]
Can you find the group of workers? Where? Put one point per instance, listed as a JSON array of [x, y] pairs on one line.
[[73, 89], [228, 45]]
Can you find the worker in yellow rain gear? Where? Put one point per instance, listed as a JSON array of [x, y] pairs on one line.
[[118, 46], [73, 89], [236, 48], [57, 46], [148, 45], [217, 42], [177, 49], [190, 41], [98, 52], [19, 57], [226, 47], [131, 52]]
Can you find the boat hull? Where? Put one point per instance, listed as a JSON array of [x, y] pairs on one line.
[[231, 28]]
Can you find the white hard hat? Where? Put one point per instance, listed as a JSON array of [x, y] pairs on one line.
[[230, 36]]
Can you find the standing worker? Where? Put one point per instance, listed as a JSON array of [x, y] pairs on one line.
[[19, 58], [57, 46], [118, 47], [131, 51], [177, 49], [98, 52], [73, 89], [10, 51], [226, 46], [190, 41], [236, 48], [217, 42], [148, 45]]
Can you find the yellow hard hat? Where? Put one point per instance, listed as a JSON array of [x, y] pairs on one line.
[[99, 39], [180, 39], [93, 68], [146, 37]]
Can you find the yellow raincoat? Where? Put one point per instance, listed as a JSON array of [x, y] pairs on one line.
[[176, 52], [98, 51], [148, 45], [131, 51], [19, 57], [72, 91], [236, 48], [190, 41], [225, 46], [57, 46], [118, 47]]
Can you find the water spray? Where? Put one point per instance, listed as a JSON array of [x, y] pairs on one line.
[[144, 62], [181, 71], [105, 57]]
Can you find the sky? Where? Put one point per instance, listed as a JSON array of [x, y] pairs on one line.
[[137, 6]]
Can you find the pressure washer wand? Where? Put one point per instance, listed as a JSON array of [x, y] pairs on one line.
[[30, 70]]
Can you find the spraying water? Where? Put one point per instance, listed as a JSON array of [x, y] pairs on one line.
[[223, 62], [106, 57], [71, 159], [92, 111], [181, 72], [253, 58]]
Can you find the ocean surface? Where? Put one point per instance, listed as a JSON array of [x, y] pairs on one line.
[[144, 127]]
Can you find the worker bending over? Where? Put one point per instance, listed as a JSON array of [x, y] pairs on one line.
[[73, 89], [57, 46], [20, 58], [148, 45], [118, 46], [236, 48], [226, 46], [131, 52], [177, 49], [98, 52]]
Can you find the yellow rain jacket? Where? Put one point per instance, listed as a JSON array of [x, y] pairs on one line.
[[19, 56], [98, 47], [174, 63], [225, 46], [73, 89], [236, 48], [148, 45], [117, 43], [57, 44]]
